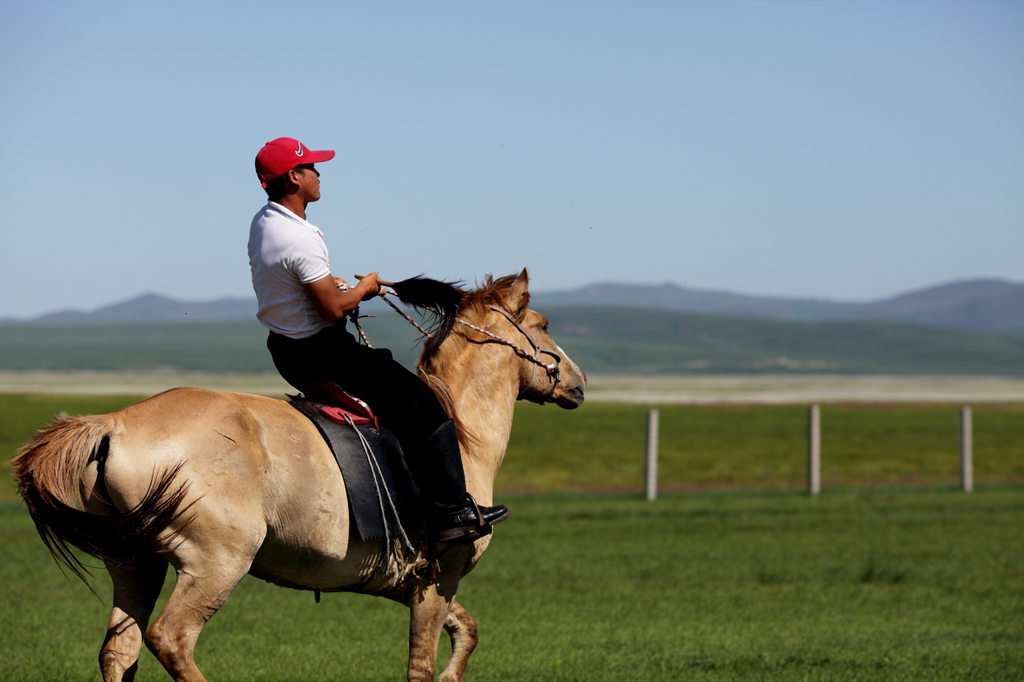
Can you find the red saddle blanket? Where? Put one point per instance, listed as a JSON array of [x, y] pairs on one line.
[[348, 408]]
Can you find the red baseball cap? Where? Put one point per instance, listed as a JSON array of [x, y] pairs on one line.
[[281, 155]]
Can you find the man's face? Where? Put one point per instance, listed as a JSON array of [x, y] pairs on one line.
[[308, 179]]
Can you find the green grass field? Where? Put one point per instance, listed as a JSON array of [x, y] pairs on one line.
[[643, 341], [884, 583], [600, 446], [236, 346], [601, 339], [740, 577]]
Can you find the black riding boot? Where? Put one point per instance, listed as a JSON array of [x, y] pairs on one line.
[[454, 512]]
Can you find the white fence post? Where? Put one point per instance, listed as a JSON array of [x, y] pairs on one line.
[[651, 468], [966, 450], [814, 450]]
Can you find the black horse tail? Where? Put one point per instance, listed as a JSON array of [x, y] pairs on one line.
[[48, 472], [443, 299]]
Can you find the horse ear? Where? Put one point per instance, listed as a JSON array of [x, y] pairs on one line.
[[519, 296]]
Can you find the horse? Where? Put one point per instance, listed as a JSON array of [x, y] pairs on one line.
[[221, 485]]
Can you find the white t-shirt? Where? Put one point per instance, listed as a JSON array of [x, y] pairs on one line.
[[286, 252]]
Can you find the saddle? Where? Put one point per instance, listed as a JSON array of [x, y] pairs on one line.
[[384, 500]]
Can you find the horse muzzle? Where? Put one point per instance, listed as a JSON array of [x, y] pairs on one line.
[[569, 397]]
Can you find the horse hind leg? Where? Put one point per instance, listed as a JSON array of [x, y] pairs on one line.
[[461, 627], [136, 589], [200, 591]]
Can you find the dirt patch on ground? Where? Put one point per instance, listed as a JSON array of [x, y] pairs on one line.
[[709, 390], [776, 389], [138, 383]]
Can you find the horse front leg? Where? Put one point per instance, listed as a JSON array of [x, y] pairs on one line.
[[429, 608], [461, 627]]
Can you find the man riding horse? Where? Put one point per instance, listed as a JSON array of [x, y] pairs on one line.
[[304, 307]]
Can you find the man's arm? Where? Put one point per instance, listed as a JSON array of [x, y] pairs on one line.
[[332, 303]]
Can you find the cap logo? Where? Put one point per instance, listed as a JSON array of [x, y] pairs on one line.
[[299, 151]]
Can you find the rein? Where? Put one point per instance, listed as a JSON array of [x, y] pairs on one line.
[[553, 369]]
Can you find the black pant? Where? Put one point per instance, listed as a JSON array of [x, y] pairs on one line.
[[403, 403]]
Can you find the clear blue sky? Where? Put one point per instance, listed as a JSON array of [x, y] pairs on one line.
[[841, 150]]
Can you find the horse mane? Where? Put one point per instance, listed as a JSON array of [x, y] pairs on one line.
[[435, 362]]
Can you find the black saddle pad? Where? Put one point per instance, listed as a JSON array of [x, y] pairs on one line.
[[382, 495]]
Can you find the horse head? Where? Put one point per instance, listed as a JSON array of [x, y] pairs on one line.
[[546, 372], [496, 314]]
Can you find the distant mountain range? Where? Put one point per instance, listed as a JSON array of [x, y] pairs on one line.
[[983, 305], [157, 308]]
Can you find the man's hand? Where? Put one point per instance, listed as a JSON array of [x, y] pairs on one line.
[[332, 302], [373, 283]]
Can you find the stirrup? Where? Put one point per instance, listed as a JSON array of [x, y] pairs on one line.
[[477, 522]]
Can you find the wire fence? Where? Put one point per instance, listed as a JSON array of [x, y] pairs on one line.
[[814, 451]]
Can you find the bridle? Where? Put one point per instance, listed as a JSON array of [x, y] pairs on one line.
[[553, 369]]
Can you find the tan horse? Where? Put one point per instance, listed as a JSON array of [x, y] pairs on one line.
[[224, 484]]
